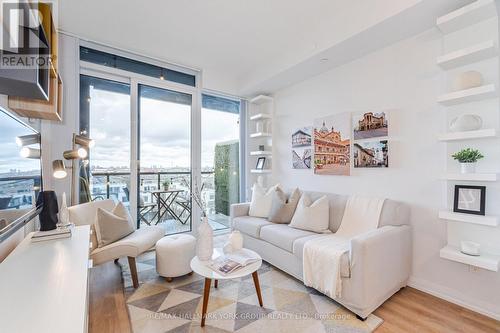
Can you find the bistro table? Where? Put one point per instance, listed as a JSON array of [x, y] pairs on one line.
[[165, 203]]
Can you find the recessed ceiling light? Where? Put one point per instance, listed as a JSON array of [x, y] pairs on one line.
[[324, 59]]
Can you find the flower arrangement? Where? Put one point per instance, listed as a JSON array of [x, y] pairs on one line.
[[467, 155], [198, 199]]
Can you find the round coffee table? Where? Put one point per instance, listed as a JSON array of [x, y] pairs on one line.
[[202, 268]]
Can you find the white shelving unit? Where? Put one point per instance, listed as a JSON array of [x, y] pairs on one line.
[[471, 177], [476, 12], [468, 55], [470, 18], [261, 135], [485, 260], [468, 95], [266, 153], [261, 116], [469, 135], [260, 171], [491, 221]]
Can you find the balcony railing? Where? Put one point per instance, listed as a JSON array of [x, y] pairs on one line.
[[116, 185]]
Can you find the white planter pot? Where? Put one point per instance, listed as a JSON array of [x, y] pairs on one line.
[[467, 167], [205, 241]]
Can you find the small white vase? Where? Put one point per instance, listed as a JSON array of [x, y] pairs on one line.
[[205, 242], [236, 240], [63, 212], [467, 167]]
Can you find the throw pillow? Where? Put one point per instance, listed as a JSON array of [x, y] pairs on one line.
[[121, 211], [312, 216], [283, 208], [111, 227], [261, 201]]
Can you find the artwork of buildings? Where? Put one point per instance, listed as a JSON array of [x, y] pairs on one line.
[[302, 137], [370, 125], [301, 158], [332, 145], [371, 154]]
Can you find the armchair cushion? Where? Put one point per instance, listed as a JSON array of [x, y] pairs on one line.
[[110, 227], [132, 245], [250, 225]]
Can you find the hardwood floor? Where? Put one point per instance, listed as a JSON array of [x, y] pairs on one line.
[[409, 310], [107, 311]]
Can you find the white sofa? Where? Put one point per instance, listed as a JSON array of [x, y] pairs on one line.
[[377, 265], [130, 246]]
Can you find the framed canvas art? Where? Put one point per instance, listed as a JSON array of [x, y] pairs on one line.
[[370, 125], [332, 145], [469, 199]]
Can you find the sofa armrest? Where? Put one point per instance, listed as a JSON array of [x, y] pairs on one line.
[[380, 264], [239, 209]]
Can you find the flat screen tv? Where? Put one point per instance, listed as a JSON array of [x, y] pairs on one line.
[[20, 177]]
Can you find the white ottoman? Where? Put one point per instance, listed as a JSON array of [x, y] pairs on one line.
[[174, 254]]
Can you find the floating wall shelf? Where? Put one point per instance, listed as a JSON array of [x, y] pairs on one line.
[[260, 116], [261, 99], [491, 221], [468, 135], [260, 171], [260, 135], [473, 13], [486, 261], [468, 55], [468, 95], [261, 153], [473, 177]]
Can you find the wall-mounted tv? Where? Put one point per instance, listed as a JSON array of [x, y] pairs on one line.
[[20, 173]]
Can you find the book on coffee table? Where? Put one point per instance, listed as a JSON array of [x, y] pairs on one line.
[[228, 263]]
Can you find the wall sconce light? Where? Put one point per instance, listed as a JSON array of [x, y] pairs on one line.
[[27, 140], [59, 169], [84, 141], [74, 154], [28, 152]]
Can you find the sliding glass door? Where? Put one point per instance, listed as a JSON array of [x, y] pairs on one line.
[[105, 117], [165, 149], [220, 157]]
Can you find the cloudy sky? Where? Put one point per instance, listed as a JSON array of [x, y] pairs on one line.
[[165, 131], [9, 151]]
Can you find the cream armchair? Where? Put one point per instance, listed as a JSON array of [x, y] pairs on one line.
[[130, 246]]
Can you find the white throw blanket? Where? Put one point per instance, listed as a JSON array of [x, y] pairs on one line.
[[322, 256]]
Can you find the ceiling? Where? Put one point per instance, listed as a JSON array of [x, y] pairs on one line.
[[240, 45]]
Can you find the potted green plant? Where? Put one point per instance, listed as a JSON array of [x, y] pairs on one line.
[[166, 185], [468, 158]]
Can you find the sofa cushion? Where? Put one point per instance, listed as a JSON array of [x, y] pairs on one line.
[[311, 216], [250, 225], [132, 245], [283, 206], [262, 200], [298, 251], [282, 236]]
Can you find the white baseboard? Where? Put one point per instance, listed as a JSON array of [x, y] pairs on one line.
[[450, 295]]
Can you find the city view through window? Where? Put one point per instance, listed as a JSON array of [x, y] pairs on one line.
[[165, 147]]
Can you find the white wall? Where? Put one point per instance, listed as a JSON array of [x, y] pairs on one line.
[[402, 77]]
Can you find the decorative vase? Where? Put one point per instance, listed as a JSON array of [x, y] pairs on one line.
[[467, 80], [48, 216], [466, 122], [236, 240], [205, 241], [468, 167], [63, 212]]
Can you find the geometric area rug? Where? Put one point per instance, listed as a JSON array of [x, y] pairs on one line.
[[159, 307]]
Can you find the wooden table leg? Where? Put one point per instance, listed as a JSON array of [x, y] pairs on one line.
[[257, 287], [206, 293], [216, 283]]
